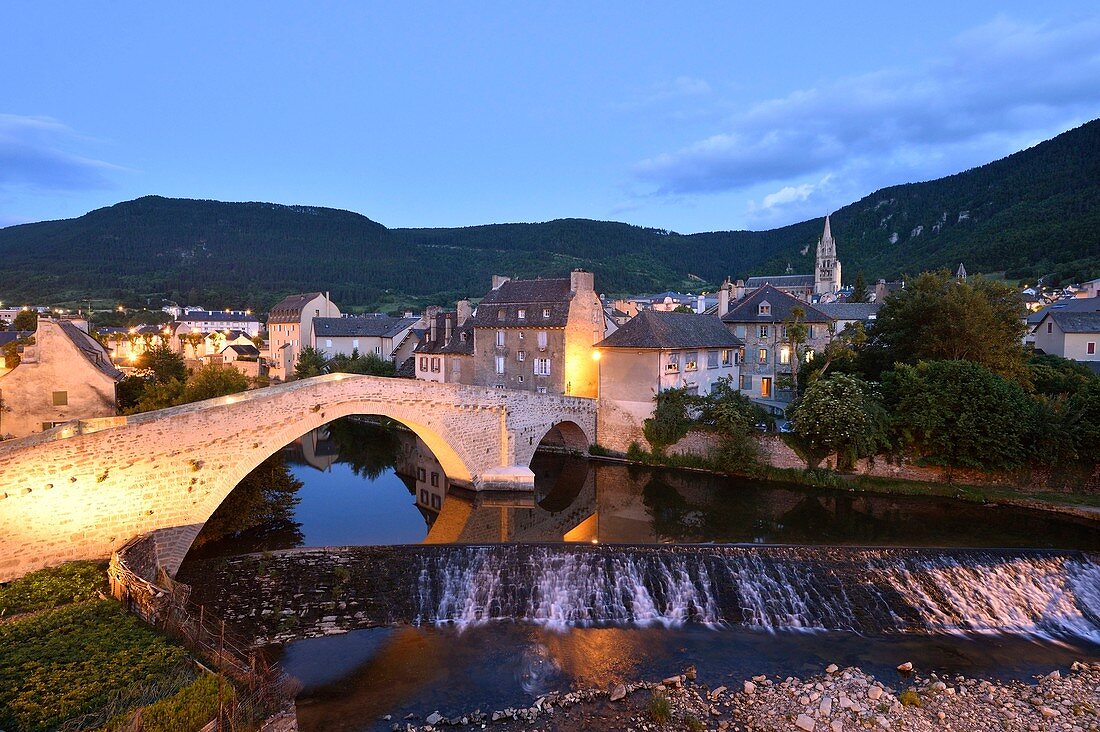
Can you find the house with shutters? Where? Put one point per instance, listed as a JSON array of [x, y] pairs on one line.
[[290, 329]]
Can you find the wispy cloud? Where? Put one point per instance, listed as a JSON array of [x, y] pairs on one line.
[[999, 87], [35, 154]]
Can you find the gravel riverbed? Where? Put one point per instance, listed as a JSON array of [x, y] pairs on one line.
[[832, 701]]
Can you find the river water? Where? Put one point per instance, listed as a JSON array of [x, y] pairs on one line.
[[611, 572]]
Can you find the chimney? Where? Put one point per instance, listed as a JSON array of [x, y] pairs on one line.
[[701, 303], [724, 298], [432, 327], [581, 281], [739, 290], [464, 310], [499, 280], [447, 320], [880, 291]]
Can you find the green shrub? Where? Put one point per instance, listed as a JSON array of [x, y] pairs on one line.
[[189, 709], [659, 708], [70, 661], [909, 698], [71, 582]]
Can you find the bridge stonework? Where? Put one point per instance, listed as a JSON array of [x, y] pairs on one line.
[[81, 490]]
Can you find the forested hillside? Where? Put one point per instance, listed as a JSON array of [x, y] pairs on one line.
[[1033, 213]]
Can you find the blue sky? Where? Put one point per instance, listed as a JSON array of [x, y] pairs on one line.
[[683, 116]]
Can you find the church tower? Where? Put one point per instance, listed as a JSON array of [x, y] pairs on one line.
[[827, 273]]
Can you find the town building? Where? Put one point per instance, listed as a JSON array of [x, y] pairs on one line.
[[206, 321], [822, 285], [655, 351], [1067, 305], [1072, 335], [446, 352], [125, 345], [66, 374], [375, 333], [844, 314], [290, 329], [539, 335], [759, 321]]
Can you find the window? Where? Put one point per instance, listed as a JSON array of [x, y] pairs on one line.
[[765, 387], [809, 355], [763, 331], [421, 475], [691, 361], [1050, 327], [60, 398], [546, 312], [712, 359], [498, 386], [521, 355], [354, 342], [435, 365], [500, 364], [762, 355], [424, 496], [785, 355], [436, 501], [739, 331], [540, 389], [746, 382], [673, 364], [542, 367], [519, 379], [727, 357], [423, 363], [435, 479], [765, 308], [500, 339], [1090, 348], [522, 314], [542, 340], [328, 343], [500, 314]]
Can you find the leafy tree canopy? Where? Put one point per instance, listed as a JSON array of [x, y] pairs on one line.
[[840, 413]]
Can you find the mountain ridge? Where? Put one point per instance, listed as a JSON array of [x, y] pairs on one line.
[[1031, 213]]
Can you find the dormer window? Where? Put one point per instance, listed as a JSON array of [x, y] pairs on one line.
[[765, 308], [522, 314], [546, 312], [500, 314]]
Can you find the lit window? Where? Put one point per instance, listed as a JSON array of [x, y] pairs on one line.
[[727, 357], [809, 355], [673, 364], [785, 355], [546, 312], [500, 364], [765, 308], [765, 387], [762, 355], [691, 361]]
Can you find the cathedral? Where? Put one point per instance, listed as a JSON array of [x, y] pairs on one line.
[[821, 286]]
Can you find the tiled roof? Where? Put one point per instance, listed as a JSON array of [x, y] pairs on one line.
[[747, 310], [666, 330], [1077, 322], [290, 309], [849, 310], [7, 336], [368, 326], [244, 350], [90, 348], [781, 281], [500, 307], [1069, 305], [461, 341]]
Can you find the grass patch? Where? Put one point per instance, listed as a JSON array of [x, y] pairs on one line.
[[190, 708], [977, 494], [659, 708], [72, 660], [52, 587]]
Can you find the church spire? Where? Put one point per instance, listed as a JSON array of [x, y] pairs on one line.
[[828, 232], [827, 273]]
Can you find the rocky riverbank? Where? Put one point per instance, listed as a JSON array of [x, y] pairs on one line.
[[832, 701]]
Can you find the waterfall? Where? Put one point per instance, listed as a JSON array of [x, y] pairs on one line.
[[869, 591]]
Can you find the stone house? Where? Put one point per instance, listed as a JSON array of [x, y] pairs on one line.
[[66, 374], [290, 329], [375, 333], [446, 352], [759, 321], [655, 351], [1072, 335], [538, 335]]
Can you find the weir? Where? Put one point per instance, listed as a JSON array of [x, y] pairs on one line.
[[300, 593]]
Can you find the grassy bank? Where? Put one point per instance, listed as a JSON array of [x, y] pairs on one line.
[[70, 658]]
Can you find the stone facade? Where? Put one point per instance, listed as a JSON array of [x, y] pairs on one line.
[[65, 375], [290, 329], [81, 490]]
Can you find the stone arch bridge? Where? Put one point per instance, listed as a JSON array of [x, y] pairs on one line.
[[82, 489]]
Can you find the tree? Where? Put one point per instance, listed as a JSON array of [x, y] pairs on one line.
[[733, 417], [960, 414], [840, 353], [840, 414], [859, 289], [671, 419], [213, 380], [371, 364], [25, 320], [159, 363], [311, 362], [1053, 375], [795, 332], [939, 318]]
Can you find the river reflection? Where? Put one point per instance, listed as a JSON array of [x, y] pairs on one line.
[[361, 483]]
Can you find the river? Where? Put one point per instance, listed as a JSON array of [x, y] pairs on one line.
[[612, 572]]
